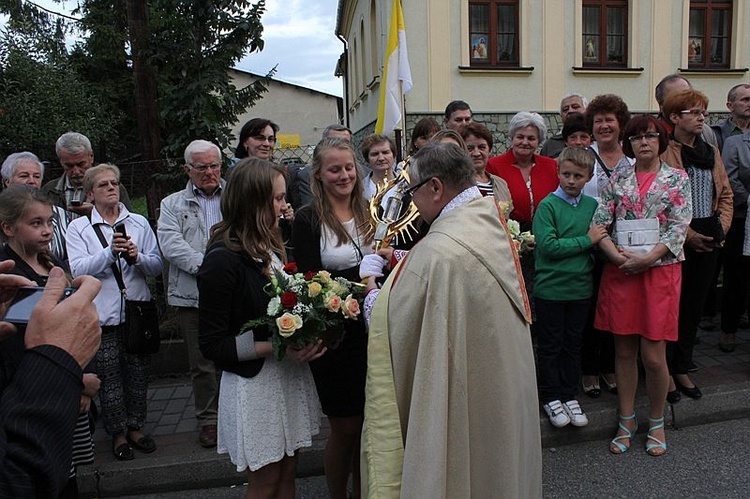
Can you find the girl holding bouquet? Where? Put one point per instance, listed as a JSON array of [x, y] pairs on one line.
[[268, 409], [333, 233]]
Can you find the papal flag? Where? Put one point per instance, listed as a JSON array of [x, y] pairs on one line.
[[396, 75]]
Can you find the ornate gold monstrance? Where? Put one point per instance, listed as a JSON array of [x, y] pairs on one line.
[[392, 213]]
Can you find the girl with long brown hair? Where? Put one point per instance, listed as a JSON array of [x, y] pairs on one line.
[[268, 409]]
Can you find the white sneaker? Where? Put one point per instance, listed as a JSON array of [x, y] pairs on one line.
[[573, 410], [557, 414]]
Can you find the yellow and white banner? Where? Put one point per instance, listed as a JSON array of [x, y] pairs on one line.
[[396, 79]]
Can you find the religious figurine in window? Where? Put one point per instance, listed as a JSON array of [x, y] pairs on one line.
[[590, 50], [482, 48], [694, 51]]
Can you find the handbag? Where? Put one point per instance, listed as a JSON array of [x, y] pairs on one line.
[[709, 226], [141, 333], [141, 327], [638, 236]]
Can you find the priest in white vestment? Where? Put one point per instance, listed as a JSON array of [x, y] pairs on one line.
[[451, 404]]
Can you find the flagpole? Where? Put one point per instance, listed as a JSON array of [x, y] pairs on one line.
[[401, 133]]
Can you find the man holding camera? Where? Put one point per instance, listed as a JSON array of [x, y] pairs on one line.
[[76, 156], [39, 405]]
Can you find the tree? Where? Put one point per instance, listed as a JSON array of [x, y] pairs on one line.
[[194, 43], [40, 95], [161, 68], [179, 53]]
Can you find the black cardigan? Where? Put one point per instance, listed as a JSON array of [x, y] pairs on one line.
[[230, 289]]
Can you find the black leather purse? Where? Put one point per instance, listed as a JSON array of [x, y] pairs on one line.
[[141, 327], [709, 226]]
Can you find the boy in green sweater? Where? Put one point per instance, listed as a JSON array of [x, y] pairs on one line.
[[563, 284]]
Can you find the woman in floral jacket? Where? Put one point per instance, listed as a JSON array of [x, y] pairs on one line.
[[639, 295]]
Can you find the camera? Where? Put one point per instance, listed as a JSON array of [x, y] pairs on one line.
[[24, 302]]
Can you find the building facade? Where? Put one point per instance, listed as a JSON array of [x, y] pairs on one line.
[[301, 113], [504, 56]]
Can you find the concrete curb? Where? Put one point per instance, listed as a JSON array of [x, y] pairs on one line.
[[180, 464]]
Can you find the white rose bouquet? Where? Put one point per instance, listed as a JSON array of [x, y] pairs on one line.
[[307, 307]]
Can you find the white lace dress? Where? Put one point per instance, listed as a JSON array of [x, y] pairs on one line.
[[268, 416]]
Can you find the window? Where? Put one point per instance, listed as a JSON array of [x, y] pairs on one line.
[[493, 33], [709, 34], [605, 33]]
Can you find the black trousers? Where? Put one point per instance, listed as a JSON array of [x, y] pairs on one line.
[[598, 349], [697, 274], [736, 277], [559, 329]]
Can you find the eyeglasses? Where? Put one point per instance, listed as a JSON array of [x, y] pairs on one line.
[[204, 168], [262, 138], [648, 135], [106, 183], [695, 112], [411, 190]]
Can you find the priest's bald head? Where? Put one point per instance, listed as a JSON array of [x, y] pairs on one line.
[[439, 172]]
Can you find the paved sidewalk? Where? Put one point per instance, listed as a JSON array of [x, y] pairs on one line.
[[180, 463]]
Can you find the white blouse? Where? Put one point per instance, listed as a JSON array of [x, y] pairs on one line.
[[347, 255]]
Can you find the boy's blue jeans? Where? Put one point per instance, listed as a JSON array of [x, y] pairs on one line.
[[559, 329]]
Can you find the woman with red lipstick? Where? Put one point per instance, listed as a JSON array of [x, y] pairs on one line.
[[606, 116], [530, 177], [333, 233]]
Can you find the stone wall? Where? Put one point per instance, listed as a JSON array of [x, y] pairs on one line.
[[497, 123]]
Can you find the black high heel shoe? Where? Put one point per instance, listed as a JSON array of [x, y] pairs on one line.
[[693, 393], [674, 396]]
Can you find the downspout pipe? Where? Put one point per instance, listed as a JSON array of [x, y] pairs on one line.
[[346, 79]]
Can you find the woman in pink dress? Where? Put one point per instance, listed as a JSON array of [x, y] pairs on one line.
[[639, 295]]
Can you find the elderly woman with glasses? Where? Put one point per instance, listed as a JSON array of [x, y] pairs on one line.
[[530, 177], [712, 217], [98, 246], [647, 209]]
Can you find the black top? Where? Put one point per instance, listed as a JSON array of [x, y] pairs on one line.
[[13, 348], [230, 290], [22, 268]]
